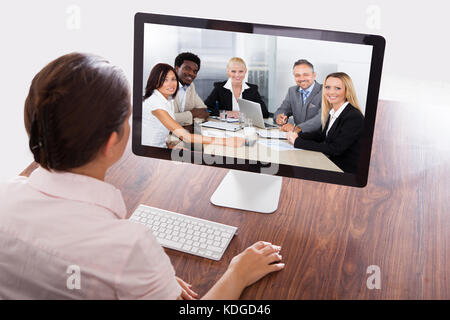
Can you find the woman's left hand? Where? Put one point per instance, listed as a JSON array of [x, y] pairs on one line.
[[291, 136], [186, 291]]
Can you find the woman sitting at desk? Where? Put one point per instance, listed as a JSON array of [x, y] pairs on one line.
[[158, 112], [225, 94], [342, 124], [63, 230]]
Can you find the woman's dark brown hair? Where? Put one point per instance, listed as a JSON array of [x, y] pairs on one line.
[[157, 77], [73, 106]]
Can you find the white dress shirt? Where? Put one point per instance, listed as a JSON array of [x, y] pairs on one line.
[[234, 100], [182, 95], [335, 114]]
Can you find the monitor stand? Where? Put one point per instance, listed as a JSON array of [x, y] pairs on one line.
[[248, 191]]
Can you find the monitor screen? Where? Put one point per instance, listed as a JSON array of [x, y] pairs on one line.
[[283, 101]]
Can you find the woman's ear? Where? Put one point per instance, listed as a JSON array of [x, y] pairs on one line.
[[108, 149]]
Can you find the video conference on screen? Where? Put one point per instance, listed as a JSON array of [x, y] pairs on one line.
[[269, 62]]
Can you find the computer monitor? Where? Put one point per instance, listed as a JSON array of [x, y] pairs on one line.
[[269, 52]]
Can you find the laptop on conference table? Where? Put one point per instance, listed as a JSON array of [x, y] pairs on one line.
[[252, 110]]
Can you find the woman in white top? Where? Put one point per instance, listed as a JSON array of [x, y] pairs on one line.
[[63, 232], [158, 112], [225, 94]]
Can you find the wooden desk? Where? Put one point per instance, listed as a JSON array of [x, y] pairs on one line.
[[329, 234]]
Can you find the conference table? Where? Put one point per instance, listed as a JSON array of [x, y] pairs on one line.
[[263, 149], [334, 238]]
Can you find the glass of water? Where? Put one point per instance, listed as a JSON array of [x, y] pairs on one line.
[[223, 115]]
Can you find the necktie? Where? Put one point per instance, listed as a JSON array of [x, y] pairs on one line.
[[304, 95]]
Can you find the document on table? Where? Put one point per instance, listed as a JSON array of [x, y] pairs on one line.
[[272, 134], [214, 134], [221, 134], [221, 125], [277, 145]]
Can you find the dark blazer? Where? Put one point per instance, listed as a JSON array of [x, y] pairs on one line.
[[225, 99], [342, 144]]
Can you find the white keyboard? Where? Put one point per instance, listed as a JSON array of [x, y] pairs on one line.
[[184, 233]]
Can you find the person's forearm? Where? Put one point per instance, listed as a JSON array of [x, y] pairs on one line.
[[184, 118], [229, 287], [196, 138]]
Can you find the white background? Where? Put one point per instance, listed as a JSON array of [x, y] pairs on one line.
[[32, 33]]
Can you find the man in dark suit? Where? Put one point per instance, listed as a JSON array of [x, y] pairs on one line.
[[303, 101]]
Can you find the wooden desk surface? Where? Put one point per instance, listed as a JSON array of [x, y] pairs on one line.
[[329, 234]]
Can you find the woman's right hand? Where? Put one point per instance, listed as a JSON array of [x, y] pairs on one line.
[[255, 262], [291, 137]]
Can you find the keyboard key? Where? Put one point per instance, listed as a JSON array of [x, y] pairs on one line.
[[169, 243], [214, 248]]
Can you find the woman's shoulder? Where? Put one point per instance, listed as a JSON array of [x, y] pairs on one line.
[[353, 109], [252, 86], [156, 98], [157, 103], [354, 112], [219, 84]]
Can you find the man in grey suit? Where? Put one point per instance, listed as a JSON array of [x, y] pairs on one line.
[[302, 101], [187, 104]]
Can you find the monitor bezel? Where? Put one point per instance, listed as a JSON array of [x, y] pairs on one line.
[[378, 47]]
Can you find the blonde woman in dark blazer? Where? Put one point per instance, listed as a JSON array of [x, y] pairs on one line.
[[226, 93], [342, 124]]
